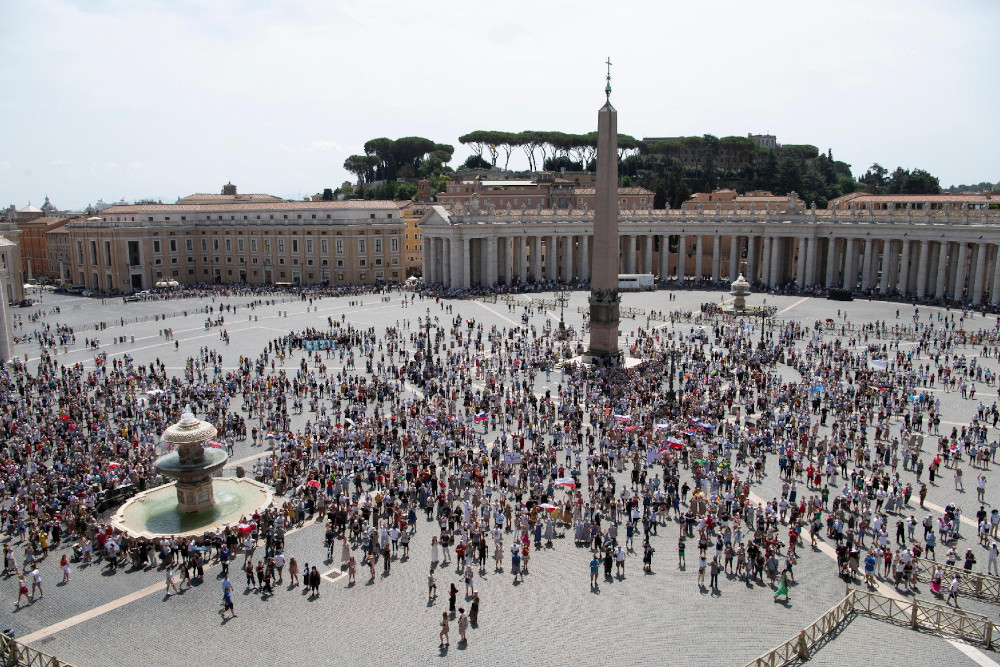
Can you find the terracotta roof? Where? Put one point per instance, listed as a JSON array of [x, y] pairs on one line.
[[238, 206], [862, 198], [621, 191], [47, 220], [214, 197]]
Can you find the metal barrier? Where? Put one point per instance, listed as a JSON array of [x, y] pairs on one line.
[[923, 614], [972, 584], [14, 653]]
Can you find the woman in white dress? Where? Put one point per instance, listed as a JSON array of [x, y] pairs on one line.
[[345, 552], [434, 552]]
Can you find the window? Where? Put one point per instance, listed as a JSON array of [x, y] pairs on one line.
[[173, 245], [378, 245], [267, 245], [281, 245], [340, 263], [229, 245], [253, 245], [362, 248], [324, 246], [156, 247], [204, 245], [309, 245], [295, 245], [394, 245], [79, 251], [340, 247], [189, 244], [215, 245], [362, 262], [239, 245]]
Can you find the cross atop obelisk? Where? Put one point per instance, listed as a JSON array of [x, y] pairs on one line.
[[607, 88], [604, 299]]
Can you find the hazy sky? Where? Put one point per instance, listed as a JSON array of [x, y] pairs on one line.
[[141, 98]]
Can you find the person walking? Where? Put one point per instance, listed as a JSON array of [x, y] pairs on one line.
[[22, 590], [227, 598], [953, 592], [64, 564], [432, 587], [170, 581], [36, 583], [443, 635]]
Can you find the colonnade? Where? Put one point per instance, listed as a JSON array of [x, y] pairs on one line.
[[939, 261]]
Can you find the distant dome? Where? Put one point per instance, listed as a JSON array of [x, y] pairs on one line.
[[29, 209], [47, 206]]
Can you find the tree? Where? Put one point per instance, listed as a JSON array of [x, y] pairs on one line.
[[327, 194], [789, 176], [874, 179], [362, 166], [475, 141], [476, 161], [530, 140]]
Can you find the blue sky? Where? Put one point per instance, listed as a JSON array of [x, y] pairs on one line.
[[141, 98]]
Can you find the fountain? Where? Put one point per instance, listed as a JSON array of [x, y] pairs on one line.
[[197, 502]]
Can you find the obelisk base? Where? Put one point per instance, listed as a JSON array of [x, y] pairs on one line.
[[604, 321]]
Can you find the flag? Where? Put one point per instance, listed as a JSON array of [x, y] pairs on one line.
[[630, 428], [271, 435], [675, 443], [662, 426], [622, 418], [481, 417], [782, 587], [565, 481], [430, 421], [691, 431]]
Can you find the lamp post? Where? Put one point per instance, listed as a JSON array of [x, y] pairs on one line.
[[562, 298], [428, 335]]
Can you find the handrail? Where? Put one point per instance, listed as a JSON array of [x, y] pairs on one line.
[[916, 613], [973, 584], [919, 613], [799, 646], [13, 652]]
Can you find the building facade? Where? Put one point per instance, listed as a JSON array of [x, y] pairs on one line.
[[231, 238], [547, 190], [939, 253], [34, 245]]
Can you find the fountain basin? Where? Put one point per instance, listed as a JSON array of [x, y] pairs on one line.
[[154, 513], [171, 464]]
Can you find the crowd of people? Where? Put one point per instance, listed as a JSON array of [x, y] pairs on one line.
[[361, 430]]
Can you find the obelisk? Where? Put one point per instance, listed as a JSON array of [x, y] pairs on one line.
[[604, 297]]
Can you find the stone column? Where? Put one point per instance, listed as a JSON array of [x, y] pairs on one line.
[[831, 261], [800, 268], [922, 265], [508, 264], [584, 257], [995, 289], [491, 261], [765, 262], [454, 263], [568, 248], [963, 260], [536, 260], [942, 271], [776, 260], [850, 274], [664, 257], [466, 263], [887, 255], [904, 269], [647, 254], [734, 258], [866, 267], [699, 251], [6, 337], [427, 262], [751, 258], [552, 257], [982, 253], [629, 254], [681, 257], [716, 258]]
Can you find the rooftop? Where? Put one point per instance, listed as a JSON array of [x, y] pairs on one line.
[[232, 206]]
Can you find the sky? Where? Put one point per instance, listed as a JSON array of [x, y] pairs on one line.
[[111, 99]]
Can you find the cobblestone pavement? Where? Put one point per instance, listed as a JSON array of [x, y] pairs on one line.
[[552, 616]]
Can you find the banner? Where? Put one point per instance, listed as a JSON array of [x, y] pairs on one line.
[[512, 457]]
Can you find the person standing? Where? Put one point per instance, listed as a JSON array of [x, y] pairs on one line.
[[36, 583], [463, 625], [227, 598], [474, 610], [595, 568], [443, 635], [715, 567], [314, 581], [64, 564], [431, 586], [293, 570], [452, 596]]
